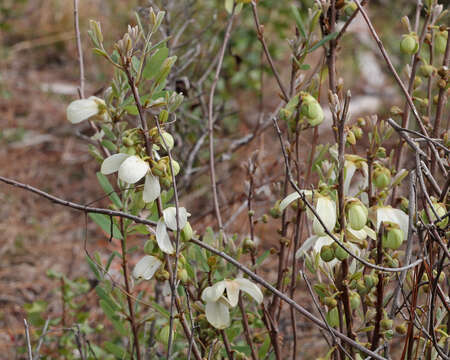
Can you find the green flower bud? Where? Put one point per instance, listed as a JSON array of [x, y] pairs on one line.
[[248, 245], [386, 324], [265, 219], [381, 152], [162, 275], [332, 317], [351, 139], [356, 214], [311, 110], [417, 82], [127, 141], [187, 233], [440, 41], [275, 211], [357, 131], [409, 44], [182, 274], [168, 140], [401, 329], [176, 167], [340, 253], [381, 177], [440, 210], [327, 253], [355, 300], [370, 281], [350, 8], [393, 237], [330, 302], [388, 334], [426, 70], [361, 287]]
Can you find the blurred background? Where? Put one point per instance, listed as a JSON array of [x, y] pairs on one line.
[[43, 271]]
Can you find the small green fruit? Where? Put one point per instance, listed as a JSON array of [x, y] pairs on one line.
[[356, 214], [332, 317], [393, 237], [381, 177], [355, 300], [386, 324], [409, 44], [426, 70], [311, 110], [330, 302], [440, 41], [187, 233], [340, 253]]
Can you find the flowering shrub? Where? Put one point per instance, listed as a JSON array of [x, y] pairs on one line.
[[356, 213]]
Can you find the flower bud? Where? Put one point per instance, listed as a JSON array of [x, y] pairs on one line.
[[381, 177], [350, 8], [187, 233], [311, 110], [357, 131], [440, 41], [339, 252], [401, 329], [162, 275], [332, 317], [409, 44], [275, 211], [386, 324], [440, 210], [265, 219], [327, 253], [355, 300], [356, 214], [426, 70], [329, 301], [361, 287], [351, 139], [370, 281], [393, 237], [248, 245], [182, 274], [176, 167]]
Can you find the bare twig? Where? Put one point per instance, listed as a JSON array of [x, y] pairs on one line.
[[27, 338]]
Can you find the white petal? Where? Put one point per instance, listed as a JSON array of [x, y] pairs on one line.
[[387, 213], [357, 234], [349, 172], [217, 314], [213, 293], [251, 289], [232, 292], [163, 239], [308, 244], [146, 267], [152, 188], [171, 219], [112, 163], [322, 241], [288, 199], [370, 233], [82, 109], [326, 209], [133, 169]]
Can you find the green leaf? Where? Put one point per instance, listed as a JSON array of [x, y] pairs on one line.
[[264, 349], [262, 257], [298, 20], [114, 349], [108, 189], [108, 133], [323, 41], [94, 268], [132, 110], [109, 145], [153, 66], [103, 295], [104, 222]]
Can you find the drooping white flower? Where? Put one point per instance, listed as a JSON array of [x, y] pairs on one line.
[[170, 217], [217, 305], [84, 109], [379, 214], [131, 169], [292, 197], [162, 238], [326, 209], [146, 267]]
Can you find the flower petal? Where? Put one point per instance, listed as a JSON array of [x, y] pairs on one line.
[[82, 109], [133, 169], [326, 209], [350, 169], [218, 314], [152, 188], [213, 293], [389, 214], [322, 241], [171, 219], [251, 289], [232, 292], [288, 199], [308, 244], [146, 267], [163, 239], [112, 163]]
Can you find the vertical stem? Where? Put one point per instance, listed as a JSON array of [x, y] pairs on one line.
[[79, 47], [134, 328], [247, 333], [380, 289]]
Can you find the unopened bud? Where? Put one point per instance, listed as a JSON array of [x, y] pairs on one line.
[[409, 44]]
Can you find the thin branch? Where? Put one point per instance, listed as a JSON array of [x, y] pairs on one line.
[[27, 338]]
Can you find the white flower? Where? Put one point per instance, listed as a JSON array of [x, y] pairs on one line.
[[326, 209], [146, 267], [292, 197], [83, 109], [170, 217], [131, 169], [217, 305], [378, 214], [162, 238]]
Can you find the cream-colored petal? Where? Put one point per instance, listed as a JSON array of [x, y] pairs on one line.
[[163, 239], [292, 197], [152, 188], [308, 244], [112, 163], [133, 169], [350, 169], [232, 292], [322, 241], [389, 214], [146, 267], [80, 110], [171, 219], [326, 209], [213, 293], [250, 289], [218, 314]]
